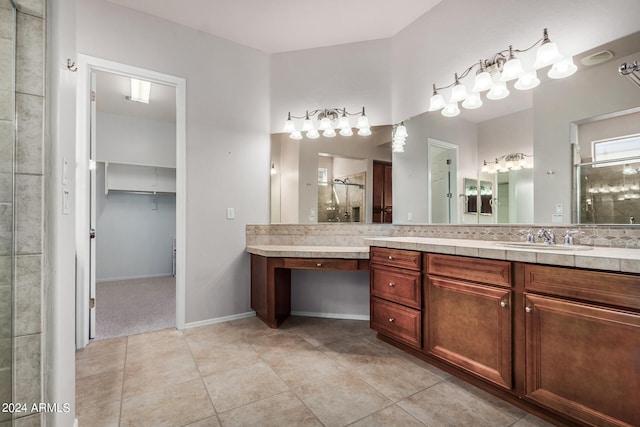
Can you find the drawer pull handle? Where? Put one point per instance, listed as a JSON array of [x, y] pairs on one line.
[[390, 257], [503, 304], [319, 264], [528, 309], [391, 284], [391, 320]]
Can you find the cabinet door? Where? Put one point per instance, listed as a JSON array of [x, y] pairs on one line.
[[469, 325], [583, 360]]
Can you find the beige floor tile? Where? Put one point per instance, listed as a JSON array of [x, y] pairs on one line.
[[101, 356], [101, 415], [220, 334], [324, 331], [490, 399], [530, 420], [237, 387], [446, 404], [305, 366], [171, 406], [221, 359], [157, 343], [284, 409], [393, 416], [341, 399], [98, 389], [252, 327], [272, 346], [396, 377], [353, 353], [144, 376], [207, 422]]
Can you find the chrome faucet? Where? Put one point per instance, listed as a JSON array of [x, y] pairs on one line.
[[568, 237], [549, 238]]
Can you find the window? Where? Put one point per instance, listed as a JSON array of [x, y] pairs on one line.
[[621, 149]]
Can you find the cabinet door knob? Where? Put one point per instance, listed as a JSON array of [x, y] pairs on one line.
[[391, 284], [390, 257], [503, 304], [391, 320], [528, 309], [319, 264]]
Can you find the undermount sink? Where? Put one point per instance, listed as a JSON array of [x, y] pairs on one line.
[[543, 246]]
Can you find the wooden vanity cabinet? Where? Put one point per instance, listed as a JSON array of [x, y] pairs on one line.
[[583, 355], [468, 316], [396, 294]]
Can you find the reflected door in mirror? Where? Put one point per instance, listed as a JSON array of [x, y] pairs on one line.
[[382, 195]]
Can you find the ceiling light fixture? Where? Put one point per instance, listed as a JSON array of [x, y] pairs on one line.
[[494, 73], [140, 91], [398, 138], [328, 120], [508, 162]]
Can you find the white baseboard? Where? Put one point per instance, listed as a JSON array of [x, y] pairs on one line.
[[219, 320], [75, 422], [148, 276], [331, 315]]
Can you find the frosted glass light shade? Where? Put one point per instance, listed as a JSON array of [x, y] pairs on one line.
[[329, 133], [498, 91], [401, 132], [325, 123], [346, 131], [363, 123], [563, 68], [289, 126], [458, 93], [482, 82], [343, 123], [527, 81], [546, 54], [312, 134], [296, 134], [307, 125], [364, 132], [512, 69], [451, 110], [436, 102], [472, 101]]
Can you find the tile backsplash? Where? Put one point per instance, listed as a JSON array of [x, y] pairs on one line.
[[354, 234]]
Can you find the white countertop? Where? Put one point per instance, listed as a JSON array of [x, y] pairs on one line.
[[598, 258]]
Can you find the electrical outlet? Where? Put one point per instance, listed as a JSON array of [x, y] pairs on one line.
[[231, 213]]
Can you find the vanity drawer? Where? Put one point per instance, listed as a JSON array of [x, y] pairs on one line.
[[616, 289], [396, 285], [321, 264], [493, 272], [397, 321], [399, 258]]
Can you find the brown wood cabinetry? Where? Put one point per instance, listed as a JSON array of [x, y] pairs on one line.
[[396, 294], [468, 324], [583, 359], [382, 194]]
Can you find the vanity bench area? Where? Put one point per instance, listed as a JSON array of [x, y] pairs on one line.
[[555, 331]]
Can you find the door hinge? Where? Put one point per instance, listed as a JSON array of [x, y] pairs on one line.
[[92, 303], [92, 95]]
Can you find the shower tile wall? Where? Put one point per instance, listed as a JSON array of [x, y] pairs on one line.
[[29, 207]]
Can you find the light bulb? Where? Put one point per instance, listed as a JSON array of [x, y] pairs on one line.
[[289, 126], [343, 122], [363, 123], [472, 101], [547, 53], [498, 90], [458, 92], [307, 125], [482, 81], [436, 102], [346, 131], [364, 132], [312, 134], [401, 131], [527, 81], [451, 110], [296, 134], [512, 69], [325, 123], [563, 68]]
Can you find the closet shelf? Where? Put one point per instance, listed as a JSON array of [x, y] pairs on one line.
[[142, 179]]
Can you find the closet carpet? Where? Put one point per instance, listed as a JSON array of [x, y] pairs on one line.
[[129, 307]]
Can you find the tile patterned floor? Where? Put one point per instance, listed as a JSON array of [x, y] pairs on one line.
[[310, 372]]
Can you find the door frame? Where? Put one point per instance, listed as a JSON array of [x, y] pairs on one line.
[[447, 146], [87, 64]]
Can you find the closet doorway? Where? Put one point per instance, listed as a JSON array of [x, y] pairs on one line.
[[130, 273]]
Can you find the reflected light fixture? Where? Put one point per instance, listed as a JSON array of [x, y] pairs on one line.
[[326, 121], [493, 74], [398, 138], [508, 162], [140, 91]]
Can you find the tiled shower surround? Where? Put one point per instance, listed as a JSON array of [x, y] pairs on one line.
[[28, 224], [354, 234]]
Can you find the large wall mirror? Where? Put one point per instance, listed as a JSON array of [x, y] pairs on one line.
[[514, 161]]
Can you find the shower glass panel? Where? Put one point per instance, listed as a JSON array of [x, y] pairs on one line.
[[7, 149], [343, 199]]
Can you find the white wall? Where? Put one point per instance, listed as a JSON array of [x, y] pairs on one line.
[[134, 234], [615, 127], [59, 299], [137, 140], [227, 154], [353, 75]]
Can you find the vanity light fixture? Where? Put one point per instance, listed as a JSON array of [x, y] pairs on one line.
[[629, 170], [493, 74], [398, 138], [140, 91], [508, 162], [327, 121]]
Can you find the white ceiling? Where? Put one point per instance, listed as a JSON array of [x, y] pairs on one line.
[[285, 25]]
